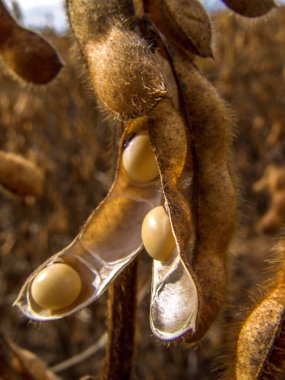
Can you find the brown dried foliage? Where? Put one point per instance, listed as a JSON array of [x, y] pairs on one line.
[[248, 71]]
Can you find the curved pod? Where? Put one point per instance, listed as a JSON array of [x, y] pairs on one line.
[[26, 54], [211, 128], [172, 281], [107, 243]]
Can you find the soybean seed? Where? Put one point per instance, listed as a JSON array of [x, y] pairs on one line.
[[56, 287]]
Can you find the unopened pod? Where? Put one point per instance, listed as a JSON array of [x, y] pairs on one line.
[[26, 55]]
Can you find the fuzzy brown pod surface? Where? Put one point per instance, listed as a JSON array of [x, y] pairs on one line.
[[184, 23], [213, 207]]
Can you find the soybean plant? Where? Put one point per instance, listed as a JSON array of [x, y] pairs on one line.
[[175, 188]]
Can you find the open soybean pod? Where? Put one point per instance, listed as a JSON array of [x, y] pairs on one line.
[[111, 237], [25, 53], [174, 299], [107, 243], [213, 208]]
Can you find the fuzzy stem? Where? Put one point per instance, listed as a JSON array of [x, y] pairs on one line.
[[122, 305]]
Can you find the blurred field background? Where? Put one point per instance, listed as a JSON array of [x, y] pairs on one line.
[[60, 129]]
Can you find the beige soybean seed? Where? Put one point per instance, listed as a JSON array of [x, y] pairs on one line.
[[56, 287], [138, 159], [157, 235]]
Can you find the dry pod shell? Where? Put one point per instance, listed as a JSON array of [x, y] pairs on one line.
[[30, 56], [93, 255], [184, 23], [98, 259], [19, 363], [250, 8], [20, 176], [121, 62], [172, 281], [174, 300], [194, 190], [214, 193]]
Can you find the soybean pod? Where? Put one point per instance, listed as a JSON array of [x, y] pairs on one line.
[[189, 199]]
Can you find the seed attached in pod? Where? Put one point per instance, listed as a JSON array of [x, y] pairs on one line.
[[157, 235], [138, 159], [56, 287]]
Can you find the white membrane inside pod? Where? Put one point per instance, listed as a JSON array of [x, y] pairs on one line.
[[174, 299], [108, 242]]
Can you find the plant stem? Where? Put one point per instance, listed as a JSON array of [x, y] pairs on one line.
[[121, 328]]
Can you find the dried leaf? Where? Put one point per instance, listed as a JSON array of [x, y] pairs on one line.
[[27, 54], [184, 22], [20, 176], [250, 8], [20, 364]]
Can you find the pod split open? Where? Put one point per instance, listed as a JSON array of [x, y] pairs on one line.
[[109, 240], [111, 237], [195, 183]]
